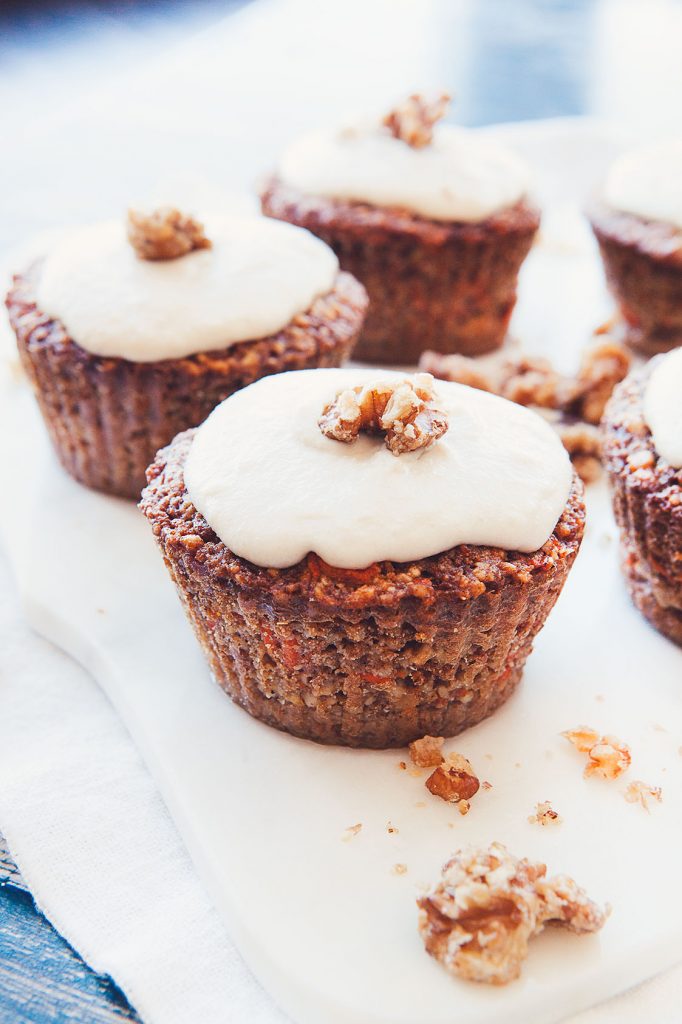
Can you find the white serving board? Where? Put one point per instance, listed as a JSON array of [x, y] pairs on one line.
[[321, 918]]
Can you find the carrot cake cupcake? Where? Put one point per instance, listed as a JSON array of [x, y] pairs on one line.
[[366, 558], [638, 224], [129, 337], [642, 451], [434, 220]]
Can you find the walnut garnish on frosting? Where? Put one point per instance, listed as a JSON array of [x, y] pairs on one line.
[[404, 410], [165, 233], [412, 120], [477, 919]]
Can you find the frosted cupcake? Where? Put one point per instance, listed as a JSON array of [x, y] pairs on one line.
[[129, 336], [642, 451], [366, 559], [434, 220], [638, 223]]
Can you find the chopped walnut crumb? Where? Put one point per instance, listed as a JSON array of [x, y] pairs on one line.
[[454, 780], [427, 752], [641, 792], [544, 814], [477, 919], [607, 755], [164, 234], [583, 738], [573, 405], [351, 831], [391, 829], [404, 410], [412, 120]]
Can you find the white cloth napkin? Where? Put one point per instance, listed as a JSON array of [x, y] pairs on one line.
[[105, 864]]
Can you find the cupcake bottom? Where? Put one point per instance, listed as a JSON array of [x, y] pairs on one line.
[[375, 657], [650, 598], [450, 287], [644, 274], [108, 417]]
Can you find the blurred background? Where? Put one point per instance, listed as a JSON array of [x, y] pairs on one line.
[[100, 100]]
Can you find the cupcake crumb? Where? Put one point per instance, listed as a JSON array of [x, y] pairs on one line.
[[463, 807], [351, 832], [402, 765], [399, 869], [477, 919], [486, 785], [641, 792], [545, 814], [453, 781], [165, 234], [427, 752], [412, 121]]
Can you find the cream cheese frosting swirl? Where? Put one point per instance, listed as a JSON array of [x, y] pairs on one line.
[[459, 176], [258, 275], [663, 407], [647, 182], [274, 488]]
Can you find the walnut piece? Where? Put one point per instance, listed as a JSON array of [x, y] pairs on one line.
[[412, 120], [427, 752], [641, 792], [404, 410], [583, 738], [544, 814], [477, 919], [573, 405], [454, 780], [607, 755], [164, 234]]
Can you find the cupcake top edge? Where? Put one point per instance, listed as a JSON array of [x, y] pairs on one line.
[[408, 160], [663, 407], [168, 287], [646, 182], [363, 466]]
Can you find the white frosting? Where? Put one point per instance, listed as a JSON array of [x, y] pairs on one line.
[[258, 275], [648, 183], [458, 177], [273, 487], [663, 407]]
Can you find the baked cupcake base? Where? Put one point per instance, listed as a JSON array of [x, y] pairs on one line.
[[647, 503], [364, 658], [432, 284], [107, 417], [643, 265]]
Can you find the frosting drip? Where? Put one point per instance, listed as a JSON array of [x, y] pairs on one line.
[[256, 277], [663, 407], [458, 177], [274, 488], [648, 183]]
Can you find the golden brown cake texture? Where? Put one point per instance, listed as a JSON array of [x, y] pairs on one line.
[[373, 657], [647, 502], [107, 417], [643, 264], [449, 286]]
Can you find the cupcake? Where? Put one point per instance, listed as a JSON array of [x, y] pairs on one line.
[[366, 560], [434, 220], [130, 337], [642, 452], [637, 221]]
